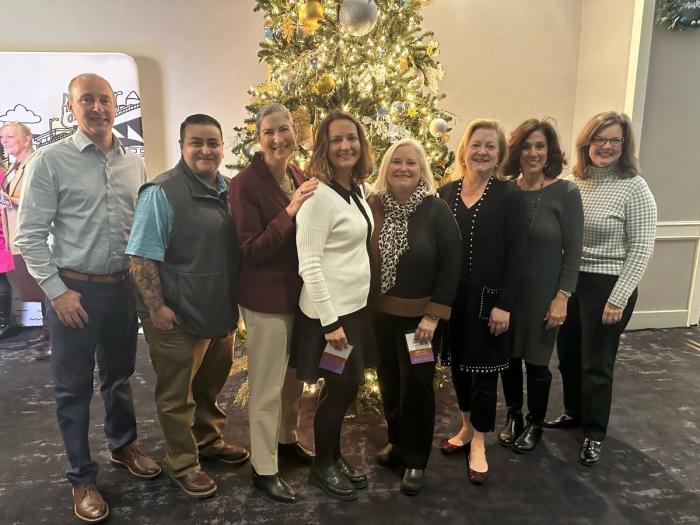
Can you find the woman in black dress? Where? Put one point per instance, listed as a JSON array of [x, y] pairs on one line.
[[492, 218], [555, 219]]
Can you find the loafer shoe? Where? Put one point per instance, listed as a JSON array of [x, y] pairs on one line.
[[563, 422], [88, 504], [295, 451], [512, 429], [333, 483], [527, 441], [413, 481], [137, 463], [449, 449], [274, 487], [196, 483], [476, 478], [355, 475], [388, 456], [228, 453], [590, 452]]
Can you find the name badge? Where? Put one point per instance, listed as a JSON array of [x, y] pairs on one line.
[[418, 352], [334, 360], [5, 201]]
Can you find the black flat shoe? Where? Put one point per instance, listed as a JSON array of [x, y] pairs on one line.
[[513, 427], [355, 475], [333, 483], [274, 487], [388, 456], [563, 422], [413, 481], [528, 439], [295, 451], [590, 452]]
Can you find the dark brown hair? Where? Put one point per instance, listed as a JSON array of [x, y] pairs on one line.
[[318, 165], [627, 166], [555, 156]]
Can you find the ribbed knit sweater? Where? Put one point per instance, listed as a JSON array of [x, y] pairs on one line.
[[619, 227], [333, 257]]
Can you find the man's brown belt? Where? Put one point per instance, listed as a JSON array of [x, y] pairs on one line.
[[89, 277]]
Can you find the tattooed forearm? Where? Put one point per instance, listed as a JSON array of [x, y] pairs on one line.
[[146, 276]]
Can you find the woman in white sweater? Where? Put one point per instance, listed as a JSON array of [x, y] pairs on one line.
[[619, 226], [333, 231]]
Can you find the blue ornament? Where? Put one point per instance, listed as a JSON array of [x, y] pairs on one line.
[[684, 21], [268, 33], [382, 110]]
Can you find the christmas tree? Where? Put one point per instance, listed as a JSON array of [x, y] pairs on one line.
[[367, 57]]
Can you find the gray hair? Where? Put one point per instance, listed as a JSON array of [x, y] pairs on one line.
[[269, 109]]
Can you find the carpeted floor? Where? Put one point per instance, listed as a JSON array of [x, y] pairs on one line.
[[650, 472]]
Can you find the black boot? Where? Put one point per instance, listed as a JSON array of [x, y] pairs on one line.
[[528, 440], [7, 320], [513, 427]]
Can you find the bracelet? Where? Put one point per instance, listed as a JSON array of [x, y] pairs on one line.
[[565, 293], [433, 317]]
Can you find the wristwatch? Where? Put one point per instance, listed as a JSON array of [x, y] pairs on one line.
[[565, 293], [433, 317]]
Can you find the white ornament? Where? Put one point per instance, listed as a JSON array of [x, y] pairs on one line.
[[418, 78], [358, 17], [438, 126]]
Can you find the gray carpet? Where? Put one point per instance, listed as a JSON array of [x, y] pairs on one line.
[[650, 471]]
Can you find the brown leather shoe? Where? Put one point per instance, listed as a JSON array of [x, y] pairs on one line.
[[196, 483], [231, 454], [88, 504], [137, 463]]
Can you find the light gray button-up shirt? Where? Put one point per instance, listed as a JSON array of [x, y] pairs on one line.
[[85, 198]]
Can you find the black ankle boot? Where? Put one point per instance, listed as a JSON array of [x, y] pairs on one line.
[[527, 441], [7, 320], [513, 427]]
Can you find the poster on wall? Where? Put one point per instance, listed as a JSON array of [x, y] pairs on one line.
[[33, 90]]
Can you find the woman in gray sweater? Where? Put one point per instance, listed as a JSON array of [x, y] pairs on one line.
[[618, 237]]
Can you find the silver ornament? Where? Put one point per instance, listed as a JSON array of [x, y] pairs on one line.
[[438, 126], [358, 17]]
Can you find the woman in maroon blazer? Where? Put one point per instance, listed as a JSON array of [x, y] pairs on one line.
[[265, 198]]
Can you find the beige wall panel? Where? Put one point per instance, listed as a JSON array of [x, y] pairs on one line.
[[666, 283], [508, 60]]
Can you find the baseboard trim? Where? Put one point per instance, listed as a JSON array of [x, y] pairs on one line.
[[658, 319]]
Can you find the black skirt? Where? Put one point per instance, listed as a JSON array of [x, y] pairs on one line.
[[308, 342]]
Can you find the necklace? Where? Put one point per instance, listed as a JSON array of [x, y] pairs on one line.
[[532, 207], [468, 242]]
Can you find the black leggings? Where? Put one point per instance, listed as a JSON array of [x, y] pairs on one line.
[[539, 379], [476, 394], [334, 401]]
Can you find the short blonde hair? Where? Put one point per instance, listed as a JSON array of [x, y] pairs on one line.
[[24, 129], [627, 166], [481, 123], [426, 174]]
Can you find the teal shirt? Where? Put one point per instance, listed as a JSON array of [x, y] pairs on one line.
[[153, 220]]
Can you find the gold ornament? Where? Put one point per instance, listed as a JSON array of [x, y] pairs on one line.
[[325, 84], [314, 10], [403, 64], [250, 126], [308, 28], [302, 122], [411, 112]]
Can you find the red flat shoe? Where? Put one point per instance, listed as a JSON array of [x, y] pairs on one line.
[[477, 478], [449, 449]]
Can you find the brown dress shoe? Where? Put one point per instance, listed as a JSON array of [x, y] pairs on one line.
[[88, 504], [137, 463], [231, 454], [196, 483]]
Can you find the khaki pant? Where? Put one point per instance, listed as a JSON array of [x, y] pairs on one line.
[[275, 392], [190, 373]]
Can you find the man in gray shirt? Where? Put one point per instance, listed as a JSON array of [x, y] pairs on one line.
[[82, 190]]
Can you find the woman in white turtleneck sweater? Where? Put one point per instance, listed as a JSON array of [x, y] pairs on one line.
[[619, 226]]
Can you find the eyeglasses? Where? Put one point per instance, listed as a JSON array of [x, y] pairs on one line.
[[602, 141]]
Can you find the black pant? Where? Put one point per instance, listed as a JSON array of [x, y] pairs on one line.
[[334, 400], [587, 349], [110, 337], [476, 393], [407, 390], [539, 379]]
